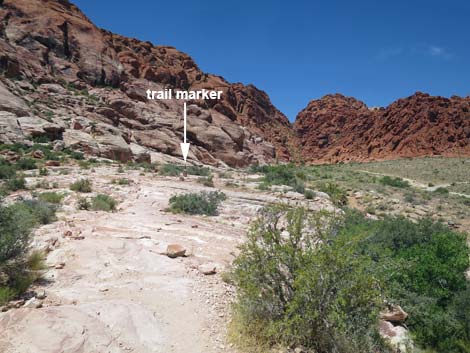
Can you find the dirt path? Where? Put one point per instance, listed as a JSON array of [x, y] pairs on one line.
[[118, 292], [420, 185]]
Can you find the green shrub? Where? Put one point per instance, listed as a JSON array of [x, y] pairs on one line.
[[16, 184], [51, 197], [206, 181], [171, 169], [202, 203], [43, 172], [26, 164], [78, 156], [200, 171], [82, 185], [424, 265], [18, 269], [338, 196], [283, 174], [41, 211], [309, 194], [121, 181], [7, 171], [83, 204], [395, 182], [442, 191], [295, 293], [103, 202], [327, 297]]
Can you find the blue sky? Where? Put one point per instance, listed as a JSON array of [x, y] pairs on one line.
[[376, 51]]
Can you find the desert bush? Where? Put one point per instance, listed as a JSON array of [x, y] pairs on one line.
[[309, 194], [43, 172], [206, 181], [198, 170], [424, 265], [295, 292], [83, 204], [18, 269], [7, 171], [442, 191], [320, 283], [121, 181], [26, 164], [338, 196], [78, 156], [205, 203], [51, 197], [282, 174], [102, 202], [170, 169], [82, 185], [15, 184], [395, 182]]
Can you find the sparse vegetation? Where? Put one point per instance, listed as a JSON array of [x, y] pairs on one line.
[[121, 181], [15, 184], [82, 185], [170, 169], [51, 197], [18, 267], [338, 196], [442, 191], [205, 203], [394, 181], [83, 204], [284, 174], [206, 181], [102, 202]]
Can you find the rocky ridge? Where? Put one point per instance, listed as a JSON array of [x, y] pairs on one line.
[[336, 128], [64, 79], [74, 82]]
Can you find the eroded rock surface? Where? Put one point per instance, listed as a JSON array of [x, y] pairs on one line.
[[59, 67]]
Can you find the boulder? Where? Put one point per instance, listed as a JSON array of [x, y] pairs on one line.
[[37, 154], [140, 154], [398, 337], [11, 103], [175, 250], [114, 147], [34, 126], [10, 131]]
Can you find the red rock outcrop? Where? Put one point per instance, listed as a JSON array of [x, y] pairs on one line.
[[80, 70], [338, 128]]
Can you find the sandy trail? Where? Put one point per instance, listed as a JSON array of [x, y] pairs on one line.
[[117, 292]]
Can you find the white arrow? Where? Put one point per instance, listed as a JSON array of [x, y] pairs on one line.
[[184, 145]]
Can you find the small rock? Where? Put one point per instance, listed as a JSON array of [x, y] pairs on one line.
[[16, 304], [194, 226], [41, 294], [208, 269], [52, 164], [175, 250], [38, 154], [33, 303], [60, 266]]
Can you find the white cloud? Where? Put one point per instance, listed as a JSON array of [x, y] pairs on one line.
[[438, 51]]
